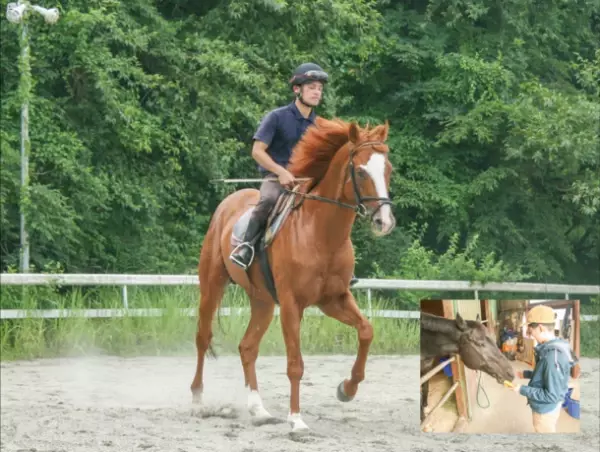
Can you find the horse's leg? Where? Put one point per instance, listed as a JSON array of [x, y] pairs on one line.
[[346, 310], [213, 280], [291, 316], [260, 319]]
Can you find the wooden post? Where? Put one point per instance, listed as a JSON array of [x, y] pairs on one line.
[[577, 327], [488, 315], [448, 308]]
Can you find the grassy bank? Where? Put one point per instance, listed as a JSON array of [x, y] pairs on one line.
[[171, 333], [590, 339]]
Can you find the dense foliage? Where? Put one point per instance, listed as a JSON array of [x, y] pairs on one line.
[[494, 111]]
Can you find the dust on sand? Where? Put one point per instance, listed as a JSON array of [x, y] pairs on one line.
[[144, 404]]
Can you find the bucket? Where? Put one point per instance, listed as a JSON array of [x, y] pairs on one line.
[[567, 397], [447, 367], [573, 408], [571, 405]]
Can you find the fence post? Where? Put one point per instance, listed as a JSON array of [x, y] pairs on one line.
[[125, 302], [369, 302]]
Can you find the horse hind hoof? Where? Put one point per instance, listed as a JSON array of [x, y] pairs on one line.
[[341, 395]]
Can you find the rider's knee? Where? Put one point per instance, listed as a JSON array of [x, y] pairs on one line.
[[265, 205]]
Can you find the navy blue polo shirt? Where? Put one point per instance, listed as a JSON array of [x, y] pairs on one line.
[[281, 129]]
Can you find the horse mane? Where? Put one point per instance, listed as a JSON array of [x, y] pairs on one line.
[[443, 325], [315, 150], [437, 324]]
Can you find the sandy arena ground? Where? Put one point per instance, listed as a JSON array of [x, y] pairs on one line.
[[144, 404]]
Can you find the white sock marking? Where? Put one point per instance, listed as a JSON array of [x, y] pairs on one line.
[[255, 405]]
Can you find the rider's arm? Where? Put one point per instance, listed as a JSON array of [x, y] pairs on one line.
[[262, 139], [259, 153]]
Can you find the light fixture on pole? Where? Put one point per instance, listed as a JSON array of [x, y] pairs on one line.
[[17, 13]]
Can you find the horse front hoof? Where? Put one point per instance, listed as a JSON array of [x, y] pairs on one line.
[[197, 398], [297, 424], [260, 416], [341, 395]]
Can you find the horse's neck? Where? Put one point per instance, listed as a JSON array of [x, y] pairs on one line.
[[437, 344], [439, 336], [331, 224]]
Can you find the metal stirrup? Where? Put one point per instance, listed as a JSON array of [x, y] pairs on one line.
[[241, 264]]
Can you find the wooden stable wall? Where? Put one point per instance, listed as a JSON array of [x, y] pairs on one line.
[[468, 309]]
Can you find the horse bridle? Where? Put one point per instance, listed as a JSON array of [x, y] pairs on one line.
[[360, 209]]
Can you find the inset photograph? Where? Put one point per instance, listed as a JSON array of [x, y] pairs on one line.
[[500, 366]]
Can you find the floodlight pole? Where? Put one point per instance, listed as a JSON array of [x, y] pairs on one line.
[[25, 94]]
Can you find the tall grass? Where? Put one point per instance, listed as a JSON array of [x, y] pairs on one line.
[[173, 333], [589, 336], [590, 339]]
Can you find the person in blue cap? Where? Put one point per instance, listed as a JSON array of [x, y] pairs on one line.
[[279, 131]]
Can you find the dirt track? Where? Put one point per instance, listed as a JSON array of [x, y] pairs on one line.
[[144, 404]]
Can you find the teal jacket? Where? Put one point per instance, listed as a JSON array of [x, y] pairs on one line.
[[550, 377]]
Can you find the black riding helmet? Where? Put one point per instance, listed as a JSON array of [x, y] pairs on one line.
[[308, 72]]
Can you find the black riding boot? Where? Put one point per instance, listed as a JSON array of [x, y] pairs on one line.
[[243, 254]]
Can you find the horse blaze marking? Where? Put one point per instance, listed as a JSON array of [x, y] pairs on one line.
[[375, 168]]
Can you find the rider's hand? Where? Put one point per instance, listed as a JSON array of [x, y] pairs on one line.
[[286, 179], [519, 374]]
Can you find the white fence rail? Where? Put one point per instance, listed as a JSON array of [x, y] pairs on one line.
[[156, 312], [82, 279], [36, 279], [223, 312]]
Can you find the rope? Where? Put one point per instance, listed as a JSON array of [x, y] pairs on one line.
[[480, 387]]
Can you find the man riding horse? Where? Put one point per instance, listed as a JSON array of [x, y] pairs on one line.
[[279, 131]]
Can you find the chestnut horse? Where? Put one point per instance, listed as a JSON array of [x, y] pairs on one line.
[[311, 256]]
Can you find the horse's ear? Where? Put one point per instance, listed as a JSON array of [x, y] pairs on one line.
[[353, 133], [460, 322], [384, 131]]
